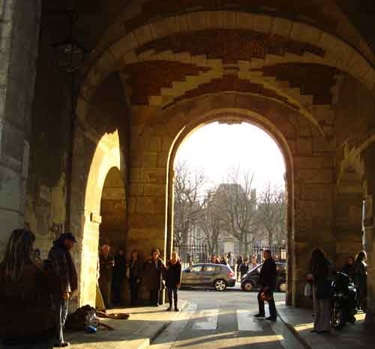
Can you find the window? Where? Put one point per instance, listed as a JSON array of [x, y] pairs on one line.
[[211, 269], [196, 269]]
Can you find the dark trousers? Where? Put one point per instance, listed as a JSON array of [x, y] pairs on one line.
[[106, 290], [271, 303], [154, 297], [133, 294], [172, 291], [61, 306]]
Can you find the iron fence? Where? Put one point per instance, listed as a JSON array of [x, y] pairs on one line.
[[279, 252], [193, 253]]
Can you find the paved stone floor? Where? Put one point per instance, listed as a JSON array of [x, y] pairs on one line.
[[211, 319]]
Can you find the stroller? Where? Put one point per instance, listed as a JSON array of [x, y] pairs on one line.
[[343, 301]]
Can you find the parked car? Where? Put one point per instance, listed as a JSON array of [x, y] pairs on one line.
[[250, 281], [205, 275]]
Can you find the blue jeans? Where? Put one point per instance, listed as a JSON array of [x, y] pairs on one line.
[[61, 306]]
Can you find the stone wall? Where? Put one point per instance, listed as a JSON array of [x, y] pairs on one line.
[[19, 29]]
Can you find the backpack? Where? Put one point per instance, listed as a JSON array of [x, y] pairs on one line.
[[82, 318]]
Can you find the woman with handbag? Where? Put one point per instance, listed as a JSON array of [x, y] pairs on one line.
[[319, 271]]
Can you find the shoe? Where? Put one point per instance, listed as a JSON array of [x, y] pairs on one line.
[[169, 308], [271, 318], [176, 309], [259, 315]]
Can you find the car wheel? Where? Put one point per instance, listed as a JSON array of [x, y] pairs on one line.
[[282, 286], [220, 285], [248, 286]]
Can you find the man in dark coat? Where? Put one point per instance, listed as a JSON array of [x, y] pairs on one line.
[[63, 266], [154, 269], [267, 280]]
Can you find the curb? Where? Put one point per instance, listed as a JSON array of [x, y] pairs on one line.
[[295, 333], [162, 329]]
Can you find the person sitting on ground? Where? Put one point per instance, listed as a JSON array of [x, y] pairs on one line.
[[27, 317], [173, 279]]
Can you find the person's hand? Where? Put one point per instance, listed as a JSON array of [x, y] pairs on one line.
[[66, 296], [178, 285]]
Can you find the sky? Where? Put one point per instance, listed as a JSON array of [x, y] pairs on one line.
[[216, 148]]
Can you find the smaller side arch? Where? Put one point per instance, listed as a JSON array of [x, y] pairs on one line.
[[106, 157]]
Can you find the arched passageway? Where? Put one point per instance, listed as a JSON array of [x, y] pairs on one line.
[[231, 116], [104, 172]]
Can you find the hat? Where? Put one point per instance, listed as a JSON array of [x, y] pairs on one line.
[[68, 236]]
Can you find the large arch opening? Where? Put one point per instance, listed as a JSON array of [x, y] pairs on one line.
[[235, 116]]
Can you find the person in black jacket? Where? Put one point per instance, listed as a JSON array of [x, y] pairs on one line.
[[267, 280], [173, 279], [134, 277]]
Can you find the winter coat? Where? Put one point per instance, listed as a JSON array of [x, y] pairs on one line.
[[63, 266], [135, 272], [244, 268], [173, 274], [153, 271], [360, 274], [268, 274], [106, 267], [26, 312]]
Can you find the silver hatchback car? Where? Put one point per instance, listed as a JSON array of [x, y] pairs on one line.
[[203, 275]]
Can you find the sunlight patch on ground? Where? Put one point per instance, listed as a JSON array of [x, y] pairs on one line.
[[227, 340], [304, 327]]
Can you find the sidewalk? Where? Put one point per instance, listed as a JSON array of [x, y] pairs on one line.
[[143, 326], [300, 322]]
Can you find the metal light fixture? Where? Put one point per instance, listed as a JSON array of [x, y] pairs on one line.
[[69, 53]]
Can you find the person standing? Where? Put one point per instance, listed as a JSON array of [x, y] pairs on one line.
[[27, 317], [267, 281], [244, 268], [107, 262], [134, 277], [319, 272], [63, 265], [360, 279], [239, 263], [173, 279], [119, 274], [154, 269], [348, 268]]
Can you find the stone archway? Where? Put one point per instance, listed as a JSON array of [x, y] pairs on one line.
[[106, 158], [349, 216], [230, 116]]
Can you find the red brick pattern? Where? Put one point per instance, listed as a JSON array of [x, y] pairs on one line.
[[233, 83], [303, 10], [147, 78], [230, 45], [312, 79]]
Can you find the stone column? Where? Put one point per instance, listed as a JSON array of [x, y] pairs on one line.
[[19, 29], [147, 188]]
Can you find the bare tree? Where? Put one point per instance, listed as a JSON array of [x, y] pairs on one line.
[[235, 204], [187, 188], [210, 223], [271, 214]]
